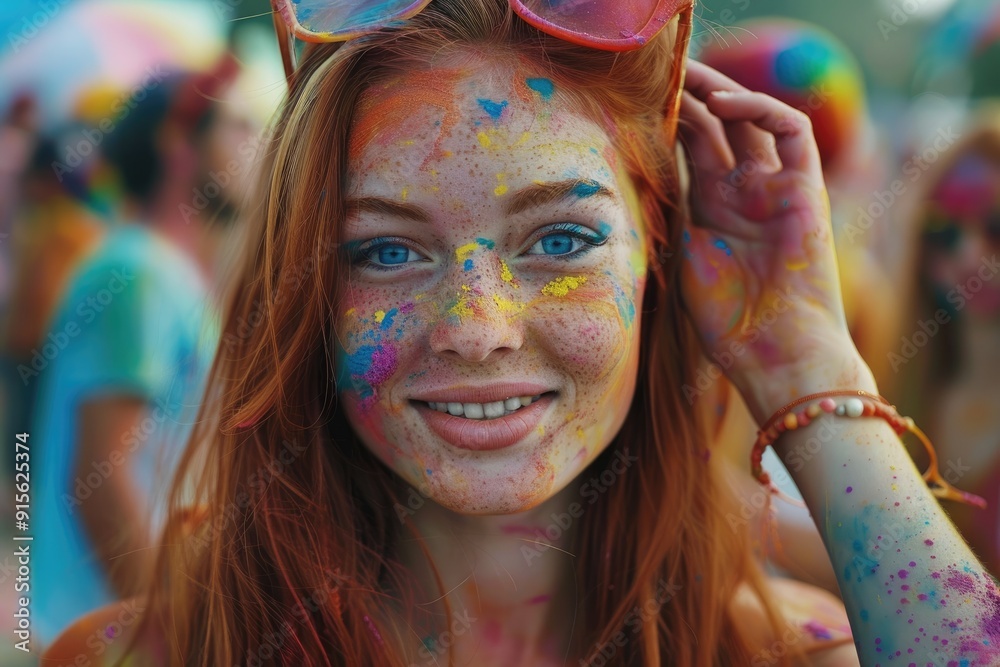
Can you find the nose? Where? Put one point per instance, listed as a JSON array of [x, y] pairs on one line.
[[479, 319]]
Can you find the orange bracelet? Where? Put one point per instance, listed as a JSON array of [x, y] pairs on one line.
[[857, 404]]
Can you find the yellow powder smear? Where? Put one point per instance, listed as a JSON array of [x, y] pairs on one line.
[[506, 305], [350, 312], [484, 139], [379, 316], [462, 309], [500, 190], [579, 432], [562, 286], [463, 252], [405, 193], [505, 274], [796, 266]]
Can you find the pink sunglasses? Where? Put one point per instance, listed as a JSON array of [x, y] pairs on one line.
[[609, 25]]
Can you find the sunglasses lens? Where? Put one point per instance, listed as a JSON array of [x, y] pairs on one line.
[[600, 22], [344, 19]]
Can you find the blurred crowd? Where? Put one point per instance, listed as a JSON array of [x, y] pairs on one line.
[[124, 163]]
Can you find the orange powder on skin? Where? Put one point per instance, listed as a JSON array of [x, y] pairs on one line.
[[386, 123]]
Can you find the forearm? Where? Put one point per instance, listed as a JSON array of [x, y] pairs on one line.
[[908, 580], [115, 519]]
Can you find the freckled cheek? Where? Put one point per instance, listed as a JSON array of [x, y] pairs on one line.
[[586, 334]]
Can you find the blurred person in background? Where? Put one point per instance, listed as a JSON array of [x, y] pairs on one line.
[[948, 353], [133, 338], [809, 69]]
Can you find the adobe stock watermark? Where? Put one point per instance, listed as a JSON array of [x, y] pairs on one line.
[[435, 647], [87, 310], [635, 619], [722, 19], [291, 280], [31, 25], [912, 170], [781, 303], [218, 181], [959, 297], [256, 484], [131, 440], [901, 13], [92, 137], [592, 490]]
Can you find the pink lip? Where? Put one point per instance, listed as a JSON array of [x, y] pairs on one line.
[[481, 435]]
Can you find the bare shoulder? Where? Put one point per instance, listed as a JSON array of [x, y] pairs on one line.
[[104, 636], [814, 622]]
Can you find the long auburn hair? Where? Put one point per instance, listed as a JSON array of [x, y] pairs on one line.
[[292, 559]]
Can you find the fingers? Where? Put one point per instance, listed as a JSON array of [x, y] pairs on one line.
[[747, 116], [792, 130], [704, 136], [701, 81]]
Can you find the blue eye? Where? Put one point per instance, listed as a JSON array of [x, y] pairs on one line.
[[566, 240], [383, 254], [392, 253]]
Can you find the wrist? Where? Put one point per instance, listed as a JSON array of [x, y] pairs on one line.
[[768, 390]]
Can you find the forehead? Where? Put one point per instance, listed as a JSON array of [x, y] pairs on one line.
[[494, 117]]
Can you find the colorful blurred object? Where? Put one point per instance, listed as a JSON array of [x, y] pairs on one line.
[[805, 67], [126, 45]]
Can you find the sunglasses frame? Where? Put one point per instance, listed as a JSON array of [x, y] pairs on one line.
[[287, 29]]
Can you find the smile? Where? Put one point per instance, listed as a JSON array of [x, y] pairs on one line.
[[489, 425], [493, 410]]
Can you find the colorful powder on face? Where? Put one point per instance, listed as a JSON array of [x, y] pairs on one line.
[[507, 306], [494, 109], [544, 87], [562, 286], [605, 229], [379, 316], [721, 245], [585, 189], [463, 252], [505, 274], [467, 266], [486, 243], [626, 308]]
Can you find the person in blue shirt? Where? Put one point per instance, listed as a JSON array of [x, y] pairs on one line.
[[128, 349]]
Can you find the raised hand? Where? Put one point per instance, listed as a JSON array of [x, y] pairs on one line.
[[760, 275]]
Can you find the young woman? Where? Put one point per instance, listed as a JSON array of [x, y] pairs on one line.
[[450, 419]]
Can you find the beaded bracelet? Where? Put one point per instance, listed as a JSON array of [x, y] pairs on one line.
[[857, 404]]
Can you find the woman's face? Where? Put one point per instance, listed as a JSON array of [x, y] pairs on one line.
[[489, 339], [962, 234]]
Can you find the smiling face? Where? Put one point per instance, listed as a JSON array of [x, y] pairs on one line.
[[490, 328]]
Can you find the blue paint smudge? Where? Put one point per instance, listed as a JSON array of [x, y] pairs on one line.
[[389, 316], [486, 243], [605, 229], [586, 189], [467, 266], [494, 109], [626, 308], [544, 87], [721, 245], [687, 236]]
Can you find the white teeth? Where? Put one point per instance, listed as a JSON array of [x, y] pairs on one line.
[[493, 410]]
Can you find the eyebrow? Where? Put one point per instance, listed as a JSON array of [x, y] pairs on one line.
[[539, 194], [381, 206]]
